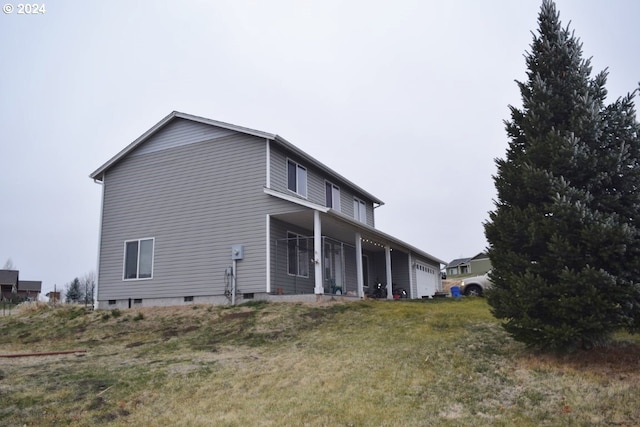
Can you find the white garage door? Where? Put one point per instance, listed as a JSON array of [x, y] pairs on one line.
[[425, 280]]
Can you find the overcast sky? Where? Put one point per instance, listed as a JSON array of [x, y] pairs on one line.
[[406, 99]]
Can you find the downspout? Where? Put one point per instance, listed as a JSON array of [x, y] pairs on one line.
[[373, 220], [268, 269], [268, 234], [268, 155]]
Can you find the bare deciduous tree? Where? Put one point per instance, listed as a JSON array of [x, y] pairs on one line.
[[9, 265], [88, 286]]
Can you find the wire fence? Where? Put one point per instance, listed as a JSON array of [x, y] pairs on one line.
[[6, 308], [294, 269]]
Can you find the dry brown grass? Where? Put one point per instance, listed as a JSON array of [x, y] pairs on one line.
[[367, 363]]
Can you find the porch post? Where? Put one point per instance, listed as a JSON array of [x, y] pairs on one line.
[[317, 252], [359, 272], [409, 258], [268, 250], [387, 253]]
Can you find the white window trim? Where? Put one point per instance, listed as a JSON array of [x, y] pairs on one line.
[[298, 237], [298, 166], [124, 259], [361, 205], [333, 187]]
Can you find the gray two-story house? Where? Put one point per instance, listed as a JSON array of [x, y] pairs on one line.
[[195, 209]]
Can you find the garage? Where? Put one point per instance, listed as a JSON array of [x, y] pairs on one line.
[[426, 280]]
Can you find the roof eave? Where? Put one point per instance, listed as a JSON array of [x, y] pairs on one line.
[[353, 222], [289, 146], [384, 235], [98, 174]]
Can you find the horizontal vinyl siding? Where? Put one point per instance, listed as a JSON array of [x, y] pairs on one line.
[[315, 184], [196, 200], [180, 132], [279, 277], [350, 269], [278, 166], [400, 270]]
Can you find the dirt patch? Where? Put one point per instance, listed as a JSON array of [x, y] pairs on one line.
[[134, 344], [241, 315], [174, 332], [316, 314], [618, 359]]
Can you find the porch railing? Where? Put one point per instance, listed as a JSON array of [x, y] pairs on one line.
[[293, 268]]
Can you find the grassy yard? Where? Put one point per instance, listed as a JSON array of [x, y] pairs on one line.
[[370, 363]]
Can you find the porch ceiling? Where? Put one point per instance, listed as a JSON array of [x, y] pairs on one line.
[[341, 227], [337, 229]]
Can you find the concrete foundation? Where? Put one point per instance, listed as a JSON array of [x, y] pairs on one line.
[[122, 304]]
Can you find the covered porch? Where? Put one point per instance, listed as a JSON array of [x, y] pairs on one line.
[[327, 253]]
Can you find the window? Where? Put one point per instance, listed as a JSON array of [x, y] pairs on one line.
[[359, 210], [297, 255], [296, 178], [332, 194], [138, 259]]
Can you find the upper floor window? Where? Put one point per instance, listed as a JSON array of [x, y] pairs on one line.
[[296, 178], [138, 259], [332, 194], [359, 210]]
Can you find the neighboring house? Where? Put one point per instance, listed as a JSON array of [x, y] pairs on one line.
[[54, 296], [29, 289], [476, 265], [12, 288], [8, 284], [192, 198], [457, 267]]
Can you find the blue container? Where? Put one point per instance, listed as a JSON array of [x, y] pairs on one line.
[[455, 292]]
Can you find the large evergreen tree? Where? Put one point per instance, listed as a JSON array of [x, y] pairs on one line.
[[564, 238], [74, 293]]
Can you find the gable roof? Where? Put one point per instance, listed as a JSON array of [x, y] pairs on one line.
[[457, 262], [481, 255], [98, 174], [8, 277], [30, 285]]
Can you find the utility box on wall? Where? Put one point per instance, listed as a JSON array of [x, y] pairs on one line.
[[237, 252]]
